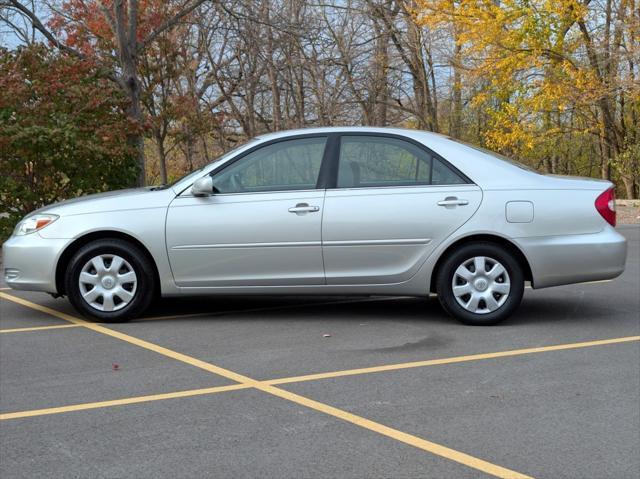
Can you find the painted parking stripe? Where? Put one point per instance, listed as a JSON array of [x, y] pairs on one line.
[[417, 442], [39, 328], [130, 339], [436, 449], [320, 376], [122, 402], [452, 360], [221, 313]]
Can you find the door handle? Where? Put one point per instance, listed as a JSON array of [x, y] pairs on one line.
[[301, 208], [452, 201]]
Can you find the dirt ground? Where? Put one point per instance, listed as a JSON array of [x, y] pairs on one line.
[[628, 215]]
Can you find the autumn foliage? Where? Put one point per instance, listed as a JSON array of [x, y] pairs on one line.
[[554, 83], [85, 26], [62, 131]]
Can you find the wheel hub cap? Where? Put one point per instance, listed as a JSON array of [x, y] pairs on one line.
[[107, 282], [481, 285]]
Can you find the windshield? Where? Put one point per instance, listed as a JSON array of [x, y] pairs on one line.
[[193, 174]]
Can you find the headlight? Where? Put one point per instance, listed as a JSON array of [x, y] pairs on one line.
[[33, 224]]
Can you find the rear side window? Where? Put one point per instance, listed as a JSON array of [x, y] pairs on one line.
[[443, 175], [374, 161]]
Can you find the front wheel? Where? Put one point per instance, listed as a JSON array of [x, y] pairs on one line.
[[480, 284], [111, 280]]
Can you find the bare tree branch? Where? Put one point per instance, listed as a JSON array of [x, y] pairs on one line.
[[168, 24], [37, 24]]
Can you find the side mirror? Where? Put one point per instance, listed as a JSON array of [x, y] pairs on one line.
[[203, 186]]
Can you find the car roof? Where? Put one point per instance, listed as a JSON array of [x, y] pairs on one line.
[[351, 129]]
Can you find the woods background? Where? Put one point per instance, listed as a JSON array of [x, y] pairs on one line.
[[98, 95]]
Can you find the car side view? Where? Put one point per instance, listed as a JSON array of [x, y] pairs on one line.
[[327, 211]]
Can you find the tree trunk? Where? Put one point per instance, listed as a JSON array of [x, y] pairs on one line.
[[162, 156], [126, 32], [134, 138], [629, 187], [456, 108]]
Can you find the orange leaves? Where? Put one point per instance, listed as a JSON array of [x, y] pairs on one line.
[[86, 25]]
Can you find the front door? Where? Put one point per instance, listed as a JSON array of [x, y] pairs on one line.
[[261, 227], [393, 204]]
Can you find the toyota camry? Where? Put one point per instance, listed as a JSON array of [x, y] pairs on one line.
[[328, 211]]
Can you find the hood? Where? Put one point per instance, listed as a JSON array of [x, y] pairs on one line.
[[127, 199]]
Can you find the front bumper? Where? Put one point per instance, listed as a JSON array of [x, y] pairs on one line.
[[29, 262], [557, 260]]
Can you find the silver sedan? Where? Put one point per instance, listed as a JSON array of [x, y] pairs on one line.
[[330, 211]]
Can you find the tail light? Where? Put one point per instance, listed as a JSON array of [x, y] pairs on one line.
[[606, 206]]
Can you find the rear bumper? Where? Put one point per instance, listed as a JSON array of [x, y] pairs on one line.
[[557, 260], [29, 262]]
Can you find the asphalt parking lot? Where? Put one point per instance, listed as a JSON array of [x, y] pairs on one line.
[[326, 387]]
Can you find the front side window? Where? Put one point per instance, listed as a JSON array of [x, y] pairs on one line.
[[372, 161], [283, 166]]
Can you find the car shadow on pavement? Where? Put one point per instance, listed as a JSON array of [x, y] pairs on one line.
[[267, 308], [284, 307]]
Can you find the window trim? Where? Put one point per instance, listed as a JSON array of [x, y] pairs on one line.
[[335, 160]]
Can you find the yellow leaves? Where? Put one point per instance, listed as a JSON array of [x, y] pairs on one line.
[[480, 99], [510, 131], [521, 60]]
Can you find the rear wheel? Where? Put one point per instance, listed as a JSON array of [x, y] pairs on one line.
[[480, 284], [111, 280]]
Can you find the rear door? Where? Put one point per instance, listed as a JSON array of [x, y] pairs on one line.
[[394, 202]]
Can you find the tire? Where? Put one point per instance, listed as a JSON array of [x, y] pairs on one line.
[[480, 299], [105, 294]]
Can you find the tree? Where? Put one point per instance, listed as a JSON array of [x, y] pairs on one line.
[[554, 79], [98, 28], [62, 131], [554, 84]]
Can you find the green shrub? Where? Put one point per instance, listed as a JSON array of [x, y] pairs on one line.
[[62, 132]]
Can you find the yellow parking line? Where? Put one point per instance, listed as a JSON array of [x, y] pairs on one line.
[[122, 402], [436, 449], [452, 360], [130, 339], [319, 376], [39, 328], [417, 442], [221, 313]]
